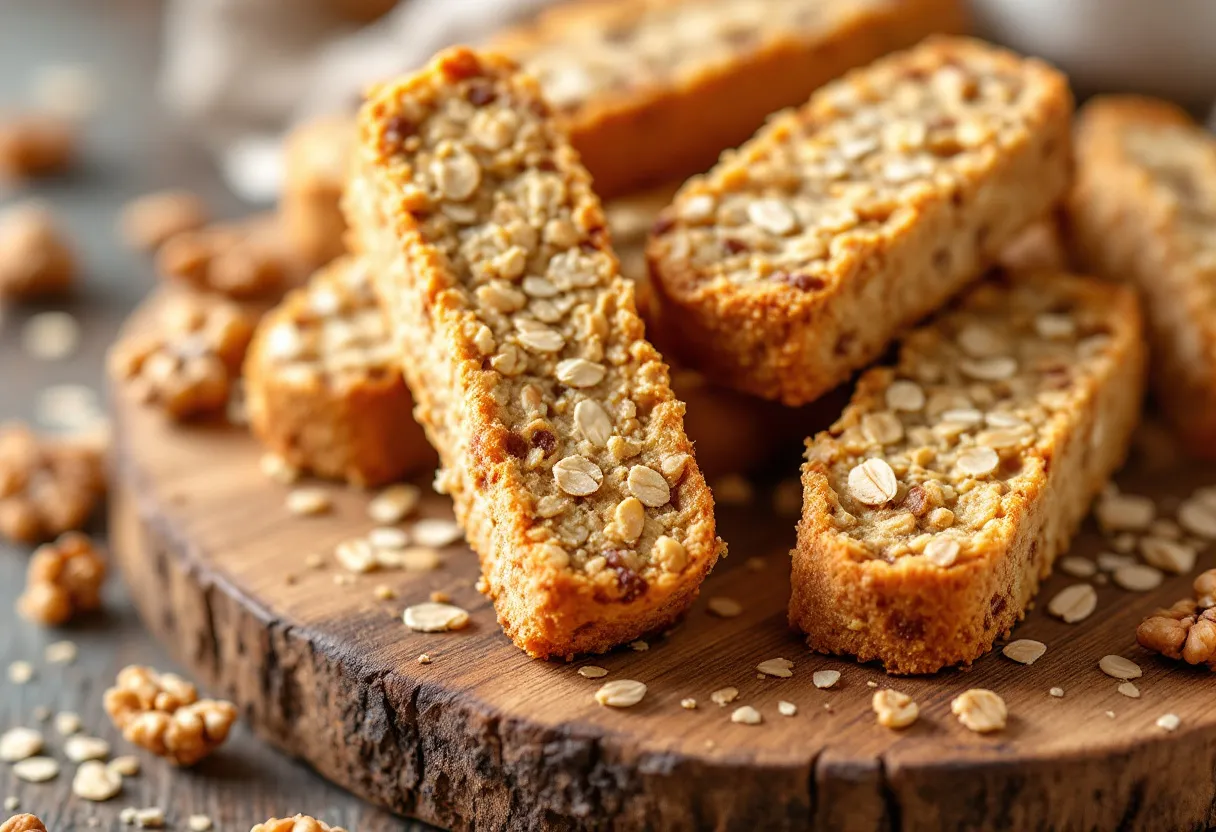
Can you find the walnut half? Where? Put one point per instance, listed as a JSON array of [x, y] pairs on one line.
[[162, 713], [1187, 630]]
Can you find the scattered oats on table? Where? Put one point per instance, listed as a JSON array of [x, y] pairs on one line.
[[79, 748], [724, 607], [824, 679], [309, 502], [746, 715], [67, 723], [894, 709], [94, 781], [621, 693], [781, 668], [36, 769], [50, 336], [1073, 604], [786, 708], [20, 672], [1169, 722], [724, 696], [1024, 650], [430, 617], [1118, 667], [18, 744], [60, 652], [591, 671], [688, 704], [1129, 690], [979, 710], [1058, 693]]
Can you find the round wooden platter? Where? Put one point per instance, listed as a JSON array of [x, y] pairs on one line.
[[484, 737]]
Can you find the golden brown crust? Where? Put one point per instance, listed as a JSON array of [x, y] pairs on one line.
[[1142, 211], [653, 90], [562, 444], [933, 575], [798, 258], [323, 386]]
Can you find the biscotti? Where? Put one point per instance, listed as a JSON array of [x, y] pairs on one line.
[[1143, 210], [942, 496], [315, 160], [323, 384], [654, 90], [797, 259], [561, 443]]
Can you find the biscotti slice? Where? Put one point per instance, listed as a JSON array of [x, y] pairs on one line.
[[323, 383], [654, 90], [1143, 210], [562, 445], [936, 504], [798, 258]]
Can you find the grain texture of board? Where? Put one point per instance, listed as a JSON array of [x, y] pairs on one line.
[[483, 737]]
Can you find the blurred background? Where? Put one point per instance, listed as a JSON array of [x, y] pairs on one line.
[[242, 104]]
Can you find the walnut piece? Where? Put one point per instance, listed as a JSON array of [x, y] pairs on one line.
[[1187, 630], [300, 823], [149, 221], [187, 362], [64, 579], [162, 713], [47, 485], [35, 259], [244, 259], [22, 823], [34, 145]]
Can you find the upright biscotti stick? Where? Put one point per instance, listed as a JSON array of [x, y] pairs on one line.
[[942, 496], [654, 90], [1143, 210], [798, 258], [563, 446]]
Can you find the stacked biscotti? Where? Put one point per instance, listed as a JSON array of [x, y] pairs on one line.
[[649, 91], [561, 442], [939, 500], [1143, 210]]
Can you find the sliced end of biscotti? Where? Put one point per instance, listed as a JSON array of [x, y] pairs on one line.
[[936, 504], [562, 443]]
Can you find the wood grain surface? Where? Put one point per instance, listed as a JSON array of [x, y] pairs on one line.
[[485, 738], [130, 147]]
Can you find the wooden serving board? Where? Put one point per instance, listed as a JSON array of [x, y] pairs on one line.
[[484, 737]]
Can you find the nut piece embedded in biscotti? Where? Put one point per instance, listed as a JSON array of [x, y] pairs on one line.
[[316, 157], [1142, 211], [561, 442], [323, 383], [801, 255], [243, 260], [187, 361], [653, 91], [63, 580], [162, 713], [35, 259], [929, 520], [299, 823], [48, 485]]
